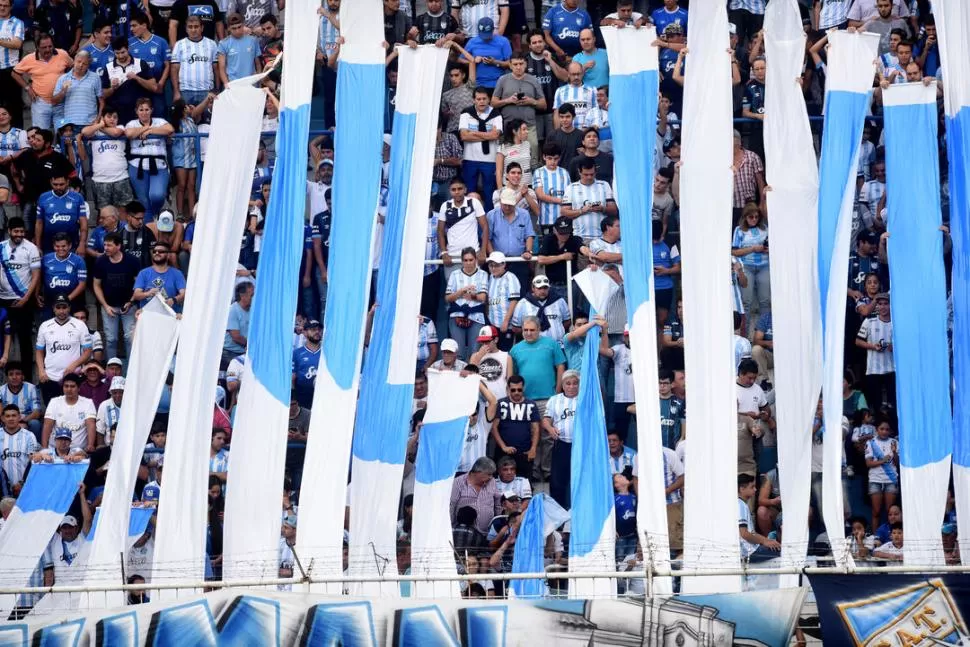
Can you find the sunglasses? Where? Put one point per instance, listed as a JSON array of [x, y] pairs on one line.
[[515, 390]]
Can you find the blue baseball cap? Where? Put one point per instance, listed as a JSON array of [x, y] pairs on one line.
[[485, 27], [150, 493], [62, 432]]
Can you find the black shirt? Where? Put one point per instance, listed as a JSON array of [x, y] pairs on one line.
[[431, 29], [604, 166], [547, 80], [568, 143], [39, 168], [61, 21], [117, 279], [207, 11], [138, 244], [515, 422], [129, 91], [396, 27], [550, 247]]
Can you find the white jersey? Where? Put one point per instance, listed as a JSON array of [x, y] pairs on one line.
[[554, 182], [501, 291], [622, 374], [557, 313], [519, 485], [149, 147], [108, 160], [877, 331], [10, 28], [13, 141], [469, 13], [62, 554], [833, 13], [751, 399], [459, 280], [140, 559], [578, 195], [17, 264], [742, 349], [561, 411], [15, 451], [871, 193], [744, 519], [581, 97], [475, 151], [494, 369], [71, 416], [877, 449], [461, 225], [476, 441], [108, 415], [316, 195], [195, 59], [599, 118], [673, 469], [62, 344]]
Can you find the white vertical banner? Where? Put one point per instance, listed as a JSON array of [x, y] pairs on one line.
[[851, 58], [792, 173], [156, 334], [386, 397], [223, 204], [356, 188], [706, 180]]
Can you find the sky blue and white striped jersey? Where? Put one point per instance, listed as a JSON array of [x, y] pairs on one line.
[[27, 399], [328, 35], [673, 469], [554, 182], [579, 194], [619, 463], [833, 13], [878, 362], [749, 238], [457, 281], [600, 119], [501, 290], [752, 6], [735, 286], [219, 462], [471, 11], [10, 28], [81, 101], [557, 312], [16, 264], [871, 193], [108, 415], [427, 335], [431, 251], [13, 141], [742, 349], [195, 59], [15, 451], [562, 412], [37, 579], [582, 97]]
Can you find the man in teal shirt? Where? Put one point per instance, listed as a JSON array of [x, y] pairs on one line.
[[596, 66], [541, 362]]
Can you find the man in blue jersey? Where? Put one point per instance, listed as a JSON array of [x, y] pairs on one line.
[[562, 26], [61, 209], [63, 273], [100, 46], [670, 14], [672, 411], [159, 278], [154, 51], [306, 359], [239, 53]]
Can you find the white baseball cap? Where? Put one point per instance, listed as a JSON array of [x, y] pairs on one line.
[[449, 345], [496, 257], [117, 383]]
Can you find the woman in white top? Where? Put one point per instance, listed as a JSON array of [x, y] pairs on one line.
[[148, 168], [466, 294], [514, 148], [882, 459]]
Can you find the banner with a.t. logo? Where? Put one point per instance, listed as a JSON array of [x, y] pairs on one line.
[[893, 610]]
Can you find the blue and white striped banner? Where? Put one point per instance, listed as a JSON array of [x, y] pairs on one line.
[[849, 83], [953, 25], [224, 201], [451, 399], [919, 314], [592, 538], [381, 432], [634, 79], [46, 496], [356, 190], [252, 516], [530, 550]]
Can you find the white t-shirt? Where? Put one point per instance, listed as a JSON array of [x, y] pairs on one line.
[[140, 559], [62, 344], [473, 150], [622, 374], [463, 231], [520, 485], [744, 519], [315, 192], [881, 473], [108, 161], [890, 549], [148, 146], [494, 368], [476, 440], [751, 398], [71, 416]]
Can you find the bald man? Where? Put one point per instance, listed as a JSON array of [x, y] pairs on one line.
[[582, 97], [596, 67]]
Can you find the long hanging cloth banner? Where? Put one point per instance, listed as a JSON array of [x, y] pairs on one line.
[[356, 190], [849, 81], [451, 399], [592, 538], [530, 546], [792, 173], [633, 94], [919, 315], [953, 25], [252, 515], [223, 204], [710, 505], [381, 433], [151, 357], [46, 496]]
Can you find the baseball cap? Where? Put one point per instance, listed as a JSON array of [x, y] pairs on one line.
[[487, 333], [882, 295], [69, 520], [313, 323], [673, 29], [509, 495], [496, 257], [541, 281], [449, 345], [62, 432], [60, 299], [115, 361], [235, 19], [165, 221], [117, 383], [290, 520], [387, 139], [563, 225], [508, 197], [485, 27], [150, 493], [325, 161]]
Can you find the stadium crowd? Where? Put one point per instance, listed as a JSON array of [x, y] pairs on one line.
[[99, 196]]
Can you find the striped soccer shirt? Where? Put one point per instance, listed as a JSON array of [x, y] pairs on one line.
[[13, 141], [328, 35], [619, 463], [875, 331], [219, 462], [27, 399], [582, 98], [557, 313], [562, 412], [673, 468], [16, 265], [833, 13], [195, 59], [554, 182], [501, 291], [457, 281], [471, 11], [15, 451], [108, 415], [735, 286], [427, 335], [600, 119], [751, 6], [578, 194], [10, 28]]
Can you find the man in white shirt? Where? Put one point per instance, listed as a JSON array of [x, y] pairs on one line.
[[19, 281], [479, 129], [622, 379], [461, 223], [62, 347], [754, 547], [194, 64], [74, 412], [109, 412], [16, 446]]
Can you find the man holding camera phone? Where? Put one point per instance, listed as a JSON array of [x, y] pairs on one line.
[[519, 95]]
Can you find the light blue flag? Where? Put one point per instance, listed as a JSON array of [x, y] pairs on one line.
[[529, 556]]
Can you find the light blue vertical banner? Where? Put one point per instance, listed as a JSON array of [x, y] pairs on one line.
[[356, 188], [530, 546], [919, 314]]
